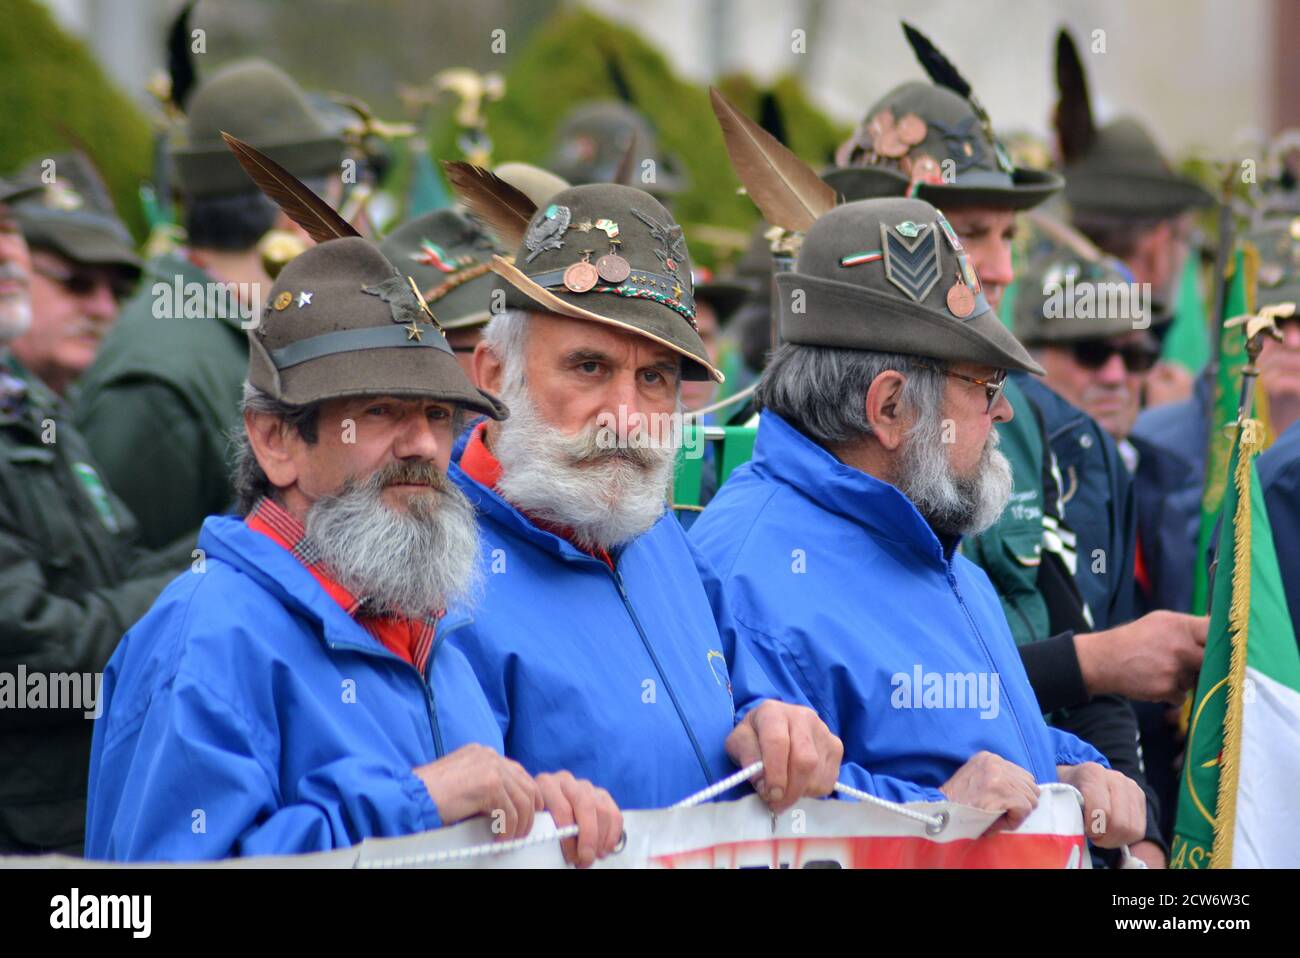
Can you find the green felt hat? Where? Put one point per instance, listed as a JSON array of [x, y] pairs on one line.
[[450, 257], [259, 103], [342, 321], [1063, 297], [1278, 243], [594, 138], [890, 275], [1124, 173], [931, 136], [74, 215], [610, 254]]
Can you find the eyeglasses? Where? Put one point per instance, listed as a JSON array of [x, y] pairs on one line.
[[83, 283], [992, 387], [1092, 354]]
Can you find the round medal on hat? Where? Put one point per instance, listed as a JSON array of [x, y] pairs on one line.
[[283, 299], [613, 268], [961, 301], [581, 276]]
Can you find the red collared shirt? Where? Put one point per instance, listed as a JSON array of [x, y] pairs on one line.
[[480, 465], [410, 639]]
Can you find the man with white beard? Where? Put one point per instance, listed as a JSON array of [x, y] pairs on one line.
[[293, 692], [836, 543], [598, 640]]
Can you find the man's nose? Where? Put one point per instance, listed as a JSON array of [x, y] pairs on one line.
[[416, 439], [100, 303], [1112, 371], [1002, 411]]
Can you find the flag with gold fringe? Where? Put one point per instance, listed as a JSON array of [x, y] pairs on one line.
[[1237, 805]]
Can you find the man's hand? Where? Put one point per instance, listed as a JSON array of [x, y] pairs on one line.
[[600, 823], [1149, 853], [1154, 658], [474, 780], [992, 783], [800, 755], [1114, 807]]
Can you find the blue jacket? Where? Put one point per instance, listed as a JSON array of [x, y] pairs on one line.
[[248, 714], [1097, 492], [619, 676], [841, 587]]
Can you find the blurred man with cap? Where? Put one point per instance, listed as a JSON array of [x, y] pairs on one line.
[[598, 640], [876, 454], [72, 580], [83, 267], [593, 142], [450, 258], [340, 584], [163, 396]]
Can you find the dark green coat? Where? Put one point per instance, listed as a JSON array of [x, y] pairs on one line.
[[157, 407], [71, 582]]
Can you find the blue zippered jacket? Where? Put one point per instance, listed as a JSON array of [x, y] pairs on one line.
[[619, 676], [248, 714], [841, 588]]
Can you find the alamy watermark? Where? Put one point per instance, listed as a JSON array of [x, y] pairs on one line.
[[947, 690], [51, 690], [181, 300], [1098, 300]]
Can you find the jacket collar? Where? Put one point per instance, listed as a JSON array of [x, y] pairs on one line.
[[489, 503], [784, 455], [277, 571]]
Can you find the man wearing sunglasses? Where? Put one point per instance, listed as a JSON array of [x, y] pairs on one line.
[[71, 582], [83, 267]]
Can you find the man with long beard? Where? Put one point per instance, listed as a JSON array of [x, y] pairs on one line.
[[876, 454], [598, 642], [294, 692]]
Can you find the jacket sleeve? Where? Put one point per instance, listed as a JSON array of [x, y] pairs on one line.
[[49, 633], [195, 781], [1071, 750], [155, 456], [1054, 673]]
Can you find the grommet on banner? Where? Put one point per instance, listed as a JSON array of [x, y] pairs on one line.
[[937, 826]]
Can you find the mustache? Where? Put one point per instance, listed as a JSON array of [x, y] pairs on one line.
[[586, 448], [400, 474]]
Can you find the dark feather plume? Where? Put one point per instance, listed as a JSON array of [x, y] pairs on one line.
[[180, 62], [289, 193], [770, 117], [617, 78], [1075, 129], [942, 72], [626, 163], [503, 210]]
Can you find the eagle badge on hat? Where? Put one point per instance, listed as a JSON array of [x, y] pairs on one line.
[[911, 265]]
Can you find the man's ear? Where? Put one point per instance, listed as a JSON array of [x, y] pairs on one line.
[[885, 410], [274, 443], [489, 370]]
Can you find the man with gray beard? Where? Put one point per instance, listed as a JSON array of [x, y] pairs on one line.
[[598, 642], [294, 691], [876, 453]]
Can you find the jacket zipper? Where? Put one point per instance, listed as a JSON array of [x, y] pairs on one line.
[[430, 705], [952, 583], [690, 733]]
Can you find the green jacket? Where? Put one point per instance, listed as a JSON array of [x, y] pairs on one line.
[[158, 405], [71, 583]]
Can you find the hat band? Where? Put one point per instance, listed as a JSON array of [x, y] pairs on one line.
[[982, 179], [638, 279], [354, 340]]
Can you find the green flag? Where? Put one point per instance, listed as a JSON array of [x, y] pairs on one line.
[[1236, 803], [1188, 340], [1239, 298]]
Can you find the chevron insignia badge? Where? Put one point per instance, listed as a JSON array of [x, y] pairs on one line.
[[911, 253]]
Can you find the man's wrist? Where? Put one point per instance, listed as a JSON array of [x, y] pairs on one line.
[[1090, 649]]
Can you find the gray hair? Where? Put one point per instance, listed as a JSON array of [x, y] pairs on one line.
[[507, 336], [822, 390], [246, 475]]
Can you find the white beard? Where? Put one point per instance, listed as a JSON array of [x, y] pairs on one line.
[[953, 505], [410, 563], [605, 496]]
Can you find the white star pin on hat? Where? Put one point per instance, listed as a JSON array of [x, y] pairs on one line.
[[304, 299]]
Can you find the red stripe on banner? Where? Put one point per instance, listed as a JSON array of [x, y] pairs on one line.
[[1003, 850]]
